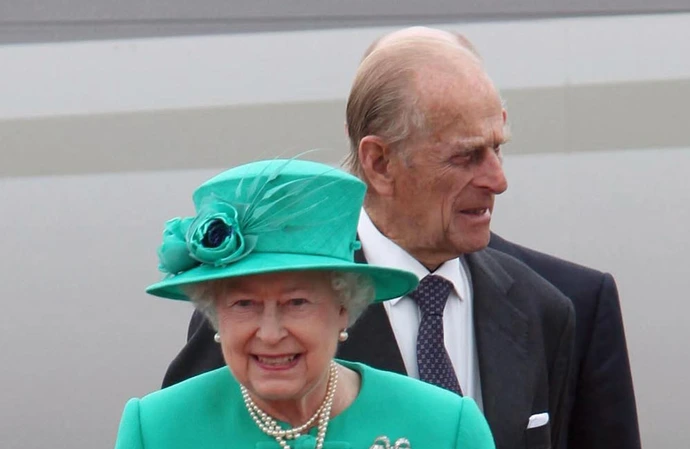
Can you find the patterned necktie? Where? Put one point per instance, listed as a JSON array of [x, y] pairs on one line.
[[433, 361]]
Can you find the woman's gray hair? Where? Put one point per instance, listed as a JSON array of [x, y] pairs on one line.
[[354, 291]]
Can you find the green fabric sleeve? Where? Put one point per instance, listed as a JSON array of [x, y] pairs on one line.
[[129, 435], [473, 430]]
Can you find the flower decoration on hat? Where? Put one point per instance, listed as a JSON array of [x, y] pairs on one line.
[[215, 237], [173, 254]]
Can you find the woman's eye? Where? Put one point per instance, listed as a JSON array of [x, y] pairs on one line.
[[298, 302], [243, 303]]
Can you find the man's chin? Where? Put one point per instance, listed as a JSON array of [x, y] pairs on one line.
[[476, 242]]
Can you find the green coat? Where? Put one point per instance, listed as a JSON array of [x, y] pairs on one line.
[[207, 412]]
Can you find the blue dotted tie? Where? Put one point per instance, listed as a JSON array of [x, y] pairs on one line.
[[433, 361]]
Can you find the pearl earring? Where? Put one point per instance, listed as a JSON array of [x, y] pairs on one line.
[[216, 337], [343, 335]]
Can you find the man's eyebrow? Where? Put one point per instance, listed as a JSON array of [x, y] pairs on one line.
[[471, 143], [468, 142]]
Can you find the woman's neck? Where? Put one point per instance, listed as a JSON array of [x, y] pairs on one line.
[[296, 412]]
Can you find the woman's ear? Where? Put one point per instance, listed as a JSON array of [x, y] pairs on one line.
[[344, 317]]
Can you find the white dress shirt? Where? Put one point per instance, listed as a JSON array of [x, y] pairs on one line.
[[404, 314]]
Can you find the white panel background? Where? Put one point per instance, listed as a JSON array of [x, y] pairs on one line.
[[151, 74], [77, 334]]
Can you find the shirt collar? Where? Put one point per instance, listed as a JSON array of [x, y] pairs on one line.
[[379, 250]]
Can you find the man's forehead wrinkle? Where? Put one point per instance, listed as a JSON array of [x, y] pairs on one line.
[[456, 133]]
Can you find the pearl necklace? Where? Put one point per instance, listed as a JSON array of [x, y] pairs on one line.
[[270, 426]]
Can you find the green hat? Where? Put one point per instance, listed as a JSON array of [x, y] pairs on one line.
[[267, 217]]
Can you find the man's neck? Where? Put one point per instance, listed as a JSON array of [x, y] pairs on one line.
[[385, 224]]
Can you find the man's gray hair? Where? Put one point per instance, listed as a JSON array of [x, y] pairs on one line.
[[384, 99], [354, 291], [383, 102]]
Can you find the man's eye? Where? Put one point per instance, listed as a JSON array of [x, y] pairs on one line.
[[462, 159], [242, 303], [499, 153]]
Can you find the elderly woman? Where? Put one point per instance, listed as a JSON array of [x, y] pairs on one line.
[[269, 259]]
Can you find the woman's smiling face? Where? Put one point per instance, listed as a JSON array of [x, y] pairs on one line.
[[279, 332]]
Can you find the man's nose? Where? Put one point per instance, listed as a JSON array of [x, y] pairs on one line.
[[490, 174]]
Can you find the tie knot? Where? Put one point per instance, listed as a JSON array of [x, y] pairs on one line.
[[431, 294]]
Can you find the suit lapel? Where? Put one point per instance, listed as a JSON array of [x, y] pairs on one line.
[[502, 331], [372, 340]]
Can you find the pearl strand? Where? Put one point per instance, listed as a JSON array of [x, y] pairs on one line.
[[270, 426]]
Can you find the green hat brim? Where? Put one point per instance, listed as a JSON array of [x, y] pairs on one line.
[[389, 283]]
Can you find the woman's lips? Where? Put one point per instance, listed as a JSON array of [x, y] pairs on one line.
[[277, 362]]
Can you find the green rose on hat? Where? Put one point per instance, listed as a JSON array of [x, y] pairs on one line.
[[213, 237]]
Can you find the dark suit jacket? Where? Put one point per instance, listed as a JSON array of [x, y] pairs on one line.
[[602, 401], [524, 332]]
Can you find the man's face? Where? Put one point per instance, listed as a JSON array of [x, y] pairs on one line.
[[445, 181]]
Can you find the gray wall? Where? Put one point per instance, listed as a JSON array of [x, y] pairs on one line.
[[39, 20], [101, 142]]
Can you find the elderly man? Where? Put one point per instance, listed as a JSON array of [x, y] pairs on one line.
[[603, 413], [426, 127]]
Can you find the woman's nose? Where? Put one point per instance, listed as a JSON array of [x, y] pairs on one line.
[[271, 328]]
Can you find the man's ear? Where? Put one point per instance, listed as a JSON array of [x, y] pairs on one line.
[[375, 160]]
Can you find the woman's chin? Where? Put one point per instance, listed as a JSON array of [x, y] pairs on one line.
[[277, 390], [276, 382]]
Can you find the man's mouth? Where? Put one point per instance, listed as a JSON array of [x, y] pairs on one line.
[[477, 212]]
